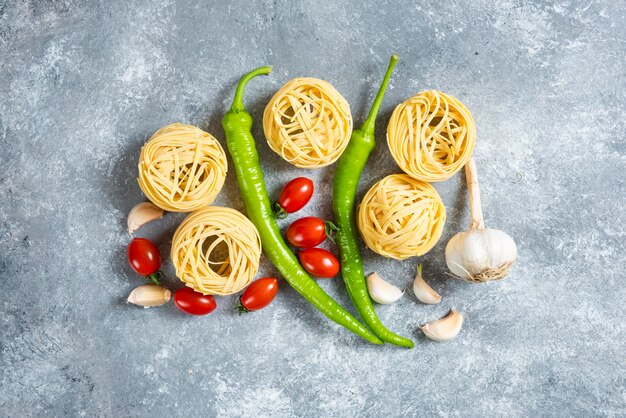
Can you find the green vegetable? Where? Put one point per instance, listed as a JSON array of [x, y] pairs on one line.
[[237, 124], [349, 168]]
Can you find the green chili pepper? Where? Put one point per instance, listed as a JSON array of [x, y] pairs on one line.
[[349, 168], [237, 124]]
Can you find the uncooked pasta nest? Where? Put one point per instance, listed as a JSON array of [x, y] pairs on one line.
[[308, 123], [431, 136], [216, 251], [182, 168], [401, 217]]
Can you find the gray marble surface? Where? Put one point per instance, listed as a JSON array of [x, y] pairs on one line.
[[84, 84]]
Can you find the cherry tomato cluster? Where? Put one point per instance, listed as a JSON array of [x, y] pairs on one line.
[[305, 233], [308, 232], [145, 259]]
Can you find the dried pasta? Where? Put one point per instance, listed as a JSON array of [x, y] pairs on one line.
[[182, 168], [401, 217], [431, 136], [216, 251], [308, 123]]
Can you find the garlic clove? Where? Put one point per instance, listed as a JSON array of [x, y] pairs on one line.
[[141, 214], [149, 295], [381, 291], [423, 291], [444, 329]]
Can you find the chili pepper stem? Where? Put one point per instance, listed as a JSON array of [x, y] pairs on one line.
[[370, 122], [238, 105]]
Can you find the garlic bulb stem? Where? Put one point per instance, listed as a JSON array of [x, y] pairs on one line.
[[476, 211], [479, 254]]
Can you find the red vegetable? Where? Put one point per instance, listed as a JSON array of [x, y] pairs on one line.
[[259, 294], [144, 256], [306, 232], [319, 262], [194, 303], [294, 196]]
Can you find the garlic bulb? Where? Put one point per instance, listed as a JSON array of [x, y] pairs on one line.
[[479, 254], [381, 291]]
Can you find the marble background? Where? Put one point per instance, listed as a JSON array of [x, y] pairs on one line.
[[84, 83]]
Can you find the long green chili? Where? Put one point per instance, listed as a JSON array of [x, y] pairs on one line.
[[347, 175], [237, 124]]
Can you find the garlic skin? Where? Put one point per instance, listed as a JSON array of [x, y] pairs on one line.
[[141, 214], [481, 254], [381, 291], [445, 329], [149, 295], [423, 291]]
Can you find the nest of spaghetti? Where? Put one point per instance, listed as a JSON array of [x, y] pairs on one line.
[[216, 251], [182, 168], [431, 136], [401, 217], [308, 123]]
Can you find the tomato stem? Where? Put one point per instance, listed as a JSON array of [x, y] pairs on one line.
[[279, 212], [154, 277], [331, 230], [242, 309]]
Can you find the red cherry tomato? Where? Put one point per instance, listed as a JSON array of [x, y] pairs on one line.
[[319, 262], [296, 194], [194, 303], [144, 256], [306, 232], [259, 294]]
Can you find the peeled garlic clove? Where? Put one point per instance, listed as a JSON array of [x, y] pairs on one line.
[[381, 291], [142, 214], [149, 295], [444, 329], [423, 291]]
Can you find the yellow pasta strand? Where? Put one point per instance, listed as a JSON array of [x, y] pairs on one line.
[[431, 136], [308, 123], [216, 251], [182, 168], [401, 217]]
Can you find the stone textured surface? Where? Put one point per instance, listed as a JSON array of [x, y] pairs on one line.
[[84, 84]]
